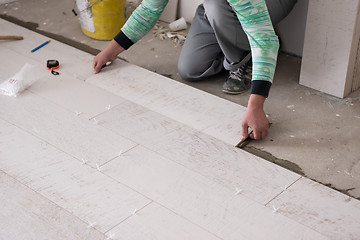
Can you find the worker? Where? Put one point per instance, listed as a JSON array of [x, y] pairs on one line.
[[237, 35]]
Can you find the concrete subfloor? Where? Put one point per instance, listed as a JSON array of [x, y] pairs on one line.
[[312, 133]]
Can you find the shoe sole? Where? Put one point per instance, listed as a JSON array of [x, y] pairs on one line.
[[234, 93]]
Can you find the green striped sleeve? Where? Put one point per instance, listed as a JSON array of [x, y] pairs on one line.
[[255, 20], [143, 19]]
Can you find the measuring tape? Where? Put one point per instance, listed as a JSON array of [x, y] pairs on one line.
[[53, 64]]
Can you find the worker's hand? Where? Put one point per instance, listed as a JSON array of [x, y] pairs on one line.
[[108, 54], [255, 118]]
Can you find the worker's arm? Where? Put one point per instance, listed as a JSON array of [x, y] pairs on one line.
[[141, 21], [255, 118], [255, 20], [108, 54]]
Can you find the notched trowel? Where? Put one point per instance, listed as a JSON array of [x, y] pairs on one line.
[[246, 141]]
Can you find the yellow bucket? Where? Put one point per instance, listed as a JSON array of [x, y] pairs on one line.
[[101, 19]]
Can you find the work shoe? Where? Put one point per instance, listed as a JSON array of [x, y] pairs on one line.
[[239, 80]]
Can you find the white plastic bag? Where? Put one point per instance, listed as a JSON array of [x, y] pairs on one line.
[[19, 82]]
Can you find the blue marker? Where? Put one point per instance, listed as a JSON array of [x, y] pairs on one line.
[[40, 46]]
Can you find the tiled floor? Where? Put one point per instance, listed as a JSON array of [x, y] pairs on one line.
[[129, 154]]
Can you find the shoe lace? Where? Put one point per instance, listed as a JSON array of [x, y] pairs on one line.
[[240, 72]]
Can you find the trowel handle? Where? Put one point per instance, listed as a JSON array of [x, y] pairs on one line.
[[11, 38]]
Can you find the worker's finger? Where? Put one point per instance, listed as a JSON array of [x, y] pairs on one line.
[[97, 67], [256, 134], [252, 135], [245, 132], [94, 65], [264, 133]]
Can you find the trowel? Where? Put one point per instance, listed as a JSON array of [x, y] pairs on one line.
[[246, 141]]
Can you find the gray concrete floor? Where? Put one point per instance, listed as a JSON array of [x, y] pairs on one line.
[[312, 133]]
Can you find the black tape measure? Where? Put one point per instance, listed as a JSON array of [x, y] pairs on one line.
[[53, 64]]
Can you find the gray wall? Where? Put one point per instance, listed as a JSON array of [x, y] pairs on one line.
[[291, 30]]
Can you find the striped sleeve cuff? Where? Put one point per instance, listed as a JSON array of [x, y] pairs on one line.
[[123, 40]]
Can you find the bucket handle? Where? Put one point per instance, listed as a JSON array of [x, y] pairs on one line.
[[86, 7]]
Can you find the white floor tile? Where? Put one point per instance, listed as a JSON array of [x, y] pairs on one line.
[[13, 62], [79, 137], [325, 210], [180, 102], [186, 168], [80, 189], [137, 123], [26, 214], [135, 84], [202, 201], [84, 99], [156, 222], [233, 168], [72, 61]]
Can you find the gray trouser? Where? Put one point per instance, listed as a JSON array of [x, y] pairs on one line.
[[216, 39]]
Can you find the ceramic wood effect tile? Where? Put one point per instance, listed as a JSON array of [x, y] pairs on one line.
[[81, 98], [72, 134], [195, 108], [199, 152], [63, 89], [135, 84], [16, 60], [80, 189], [228, 130], [137, 123], [157, 222], [25, 214], [206, 155], [73, 61], [325, 210], [200, 110], [207, 113], [233, 168], [179, 173], [202, 201], [143, 87]]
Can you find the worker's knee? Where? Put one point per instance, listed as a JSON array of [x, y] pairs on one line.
[[215, 9], [188, 70]]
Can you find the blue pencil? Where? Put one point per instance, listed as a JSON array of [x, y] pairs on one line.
[[40, 46]]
